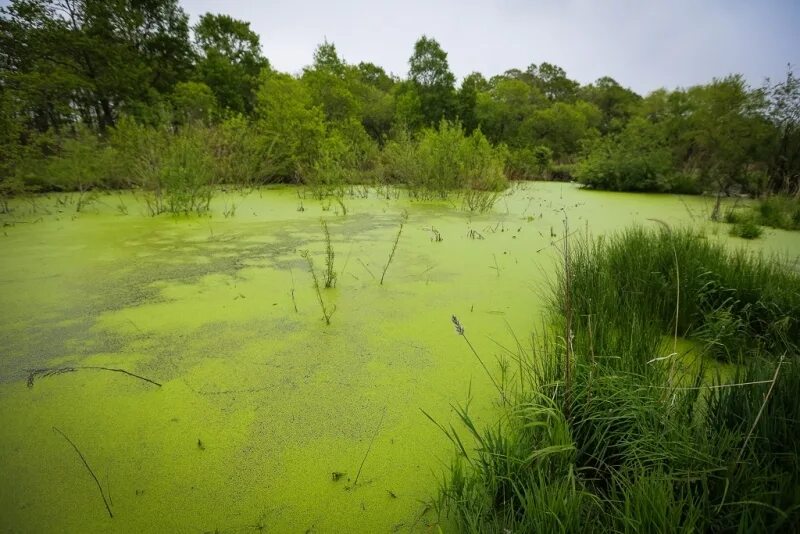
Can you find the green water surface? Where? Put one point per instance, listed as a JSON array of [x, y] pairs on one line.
[[260, 404]]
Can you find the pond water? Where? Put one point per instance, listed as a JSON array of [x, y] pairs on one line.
[[260, 401]]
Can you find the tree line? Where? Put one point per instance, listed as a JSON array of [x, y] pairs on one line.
[[125, 93]]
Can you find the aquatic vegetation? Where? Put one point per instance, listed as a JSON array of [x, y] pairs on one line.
[[403, 221], [330, 271], [758, 294], [326, 314], [599, 433]]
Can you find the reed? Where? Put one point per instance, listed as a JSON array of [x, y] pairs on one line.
[[403, 220], [326, 314]]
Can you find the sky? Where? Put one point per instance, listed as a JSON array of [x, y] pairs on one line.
[[643, 44]]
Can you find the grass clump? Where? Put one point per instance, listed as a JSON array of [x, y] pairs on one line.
[[744, 305], [777, 211], [607, 429], [746, 228]]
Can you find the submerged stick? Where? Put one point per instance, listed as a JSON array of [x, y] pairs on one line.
[[86, 464], [294, 302], [377, 429], [33, 373]]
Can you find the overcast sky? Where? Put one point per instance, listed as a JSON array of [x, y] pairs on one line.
[[642, 44]]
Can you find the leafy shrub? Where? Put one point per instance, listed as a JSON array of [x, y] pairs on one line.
[[746, 228], [445, 160], [242, 155], [530, 163], [175, 170], [779, 212]]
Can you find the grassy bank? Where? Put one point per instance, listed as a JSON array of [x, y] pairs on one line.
[[607, 429]]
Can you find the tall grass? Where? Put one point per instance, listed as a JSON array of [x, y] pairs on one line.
[[737, 304], [599, 438]]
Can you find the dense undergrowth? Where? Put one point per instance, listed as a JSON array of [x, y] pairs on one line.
[[178, 169], [779, 211], [606, 429]]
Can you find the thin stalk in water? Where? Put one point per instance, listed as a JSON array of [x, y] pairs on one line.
[[394, 247]]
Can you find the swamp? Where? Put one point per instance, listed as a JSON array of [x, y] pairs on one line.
[[253, 282], [263, 414]]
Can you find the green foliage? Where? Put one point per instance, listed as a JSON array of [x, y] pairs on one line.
[[82, 164], [747, 228], [444, 160], [347, 156], [193, 102], [432, 80], [287, 117], [530, 163], [93, 58], [174, 170], [779, 212], [184, 181], [230, 60], [783, 113], [637, 159], [776, 211], [756, 295], [241, 154]]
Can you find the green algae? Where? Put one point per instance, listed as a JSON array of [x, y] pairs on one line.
[[278, 399]]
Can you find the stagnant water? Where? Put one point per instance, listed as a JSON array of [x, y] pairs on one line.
[[261, 402]]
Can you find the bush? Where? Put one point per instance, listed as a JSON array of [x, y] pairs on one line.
[[445, 160], [746, 228], [779, 212], [530, 163], [637, 159], [242, 154], [174, 169]]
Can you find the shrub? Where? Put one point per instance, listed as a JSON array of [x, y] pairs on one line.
[[637, 159], [746, 228], [242, 155], [445, 160]]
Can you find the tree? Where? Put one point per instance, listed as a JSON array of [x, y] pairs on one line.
[[467, 99], [193, 102], [615, 102], [230, 60], [726, 134], [287, 116], [562, 127], [89, 59], [430, 75], [553, 82], [330, 84], [784, 114], [501, 111]]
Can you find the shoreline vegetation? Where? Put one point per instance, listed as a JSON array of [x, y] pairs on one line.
[[609, 426], [94, 99]]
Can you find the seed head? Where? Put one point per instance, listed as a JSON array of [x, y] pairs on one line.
[[457, 324]]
